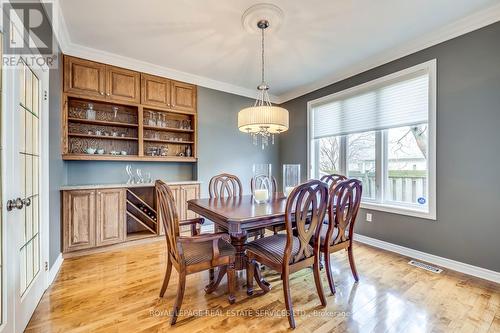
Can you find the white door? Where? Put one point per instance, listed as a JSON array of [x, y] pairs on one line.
[[25, 190]]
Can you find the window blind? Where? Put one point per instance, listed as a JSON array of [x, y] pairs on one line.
[[402, 101]]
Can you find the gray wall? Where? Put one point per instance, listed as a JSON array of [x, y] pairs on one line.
[[57, 170], [468, 181], [92, 172], [222, 147]]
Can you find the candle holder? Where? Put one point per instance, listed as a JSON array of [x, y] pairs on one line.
[[262, 179], [291, 177]]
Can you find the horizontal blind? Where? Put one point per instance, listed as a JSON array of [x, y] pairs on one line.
[[403, 101]]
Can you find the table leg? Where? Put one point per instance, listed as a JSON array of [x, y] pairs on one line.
[[238, 241]]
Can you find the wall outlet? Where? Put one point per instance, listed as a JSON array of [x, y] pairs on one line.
[[368, 217]]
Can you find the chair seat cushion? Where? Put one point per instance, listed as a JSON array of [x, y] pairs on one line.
[[195, 253], [273, 247]]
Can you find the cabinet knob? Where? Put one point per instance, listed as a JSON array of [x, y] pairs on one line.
[[102, 93], [107, 94]]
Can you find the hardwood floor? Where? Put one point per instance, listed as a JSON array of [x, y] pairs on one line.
[[118, 292]]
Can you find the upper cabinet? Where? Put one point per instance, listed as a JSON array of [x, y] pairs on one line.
[[183, 96], [114, 84], [123, 85], [155, 91], [84, 77]]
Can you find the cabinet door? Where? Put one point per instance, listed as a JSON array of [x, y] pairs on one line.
[[190, 192], [84, 77], [176, 192], [78, 220], [110, 222], [123, 84], [155, 91], [183, 96]]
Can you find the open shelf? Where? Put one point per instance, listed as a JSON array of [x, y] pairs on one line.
[[105, 137], [101, 122], [168, 129], [170, 141]]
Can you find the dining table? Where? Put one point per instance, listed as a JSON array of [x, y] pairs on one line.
[[240, 214]]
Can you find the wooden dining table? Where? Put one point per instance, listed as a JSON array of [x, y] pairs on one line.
[[239, 215]]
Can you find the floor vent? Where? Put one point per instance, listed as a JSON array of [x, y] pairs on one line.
[[425, 266]]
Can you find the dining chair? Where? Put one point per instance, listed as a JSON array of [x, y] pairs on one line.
[[191, 254], [286, 253], [343, 206], [333, 179]]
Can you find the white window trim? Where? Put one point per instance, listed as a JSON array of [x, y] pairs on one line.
[[431, 67]]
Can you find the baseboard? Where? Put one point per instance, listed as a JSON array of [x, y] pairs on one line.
[[54, 270], [458, 266]]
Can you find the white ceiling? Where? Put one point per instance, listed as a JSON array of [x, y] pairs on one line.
[[319, 40]]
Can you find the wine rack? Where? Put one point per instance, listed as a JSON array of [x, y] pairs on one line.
[[142, 219]]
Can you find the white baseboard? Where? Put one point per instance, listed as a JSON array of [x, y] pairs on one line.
[[54, 270], [458, 266]]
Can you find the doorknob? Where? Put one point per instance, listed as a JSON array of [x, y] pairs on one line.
[[27, 202], [16, 203]]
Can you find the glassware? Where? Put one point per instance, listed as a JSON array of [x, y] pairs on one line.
[[262, 179], [140, 178], [130, 174], [90, 112], [151, 121], [291, 177], [188, 151], [115, 111], [147, 177]]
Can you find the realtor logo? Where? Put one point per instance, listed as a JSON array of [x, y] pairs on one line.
[[28, 33]]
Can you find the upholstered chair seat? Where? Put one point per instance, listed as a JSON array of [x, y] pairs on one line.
[[195, 253], [273, 247]]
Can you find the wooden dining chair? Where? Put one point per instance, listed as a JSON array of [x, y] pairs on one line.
[[191, 254], [333, 179], [225, 185], [286, 253], [343, 206]]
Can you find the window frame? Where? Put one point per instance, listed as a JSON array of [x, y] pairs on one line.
[[381, 147]]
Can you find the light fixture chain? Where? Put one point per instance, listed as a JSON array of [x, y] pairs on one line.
[[263, 78]]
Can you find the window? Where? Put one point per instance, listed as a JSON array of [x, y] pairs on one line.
[[382, 133]]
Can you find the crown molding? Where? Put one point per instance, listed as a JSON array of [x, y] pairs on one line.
[[465, 25]]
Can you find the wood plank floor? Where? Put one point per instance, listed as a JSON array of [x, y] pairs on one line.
[[118, 292]]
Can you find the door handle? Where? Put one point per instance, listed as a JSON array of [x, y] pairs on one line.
[[15, 204], [27, 202]]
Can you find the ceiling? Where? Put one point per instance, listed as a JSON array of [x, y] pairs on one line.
[[319, 41]]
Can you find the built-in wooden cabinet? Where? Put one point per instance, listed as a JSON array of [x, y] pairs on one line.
[[155, 91], [189, 192], [110, 219], [125, 115], [123, 85], [79, 217], [84, 77], [99, 217], [183, 96]]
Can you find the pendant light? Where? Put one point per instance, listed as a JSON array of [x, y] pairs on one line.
[[263, 120]]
